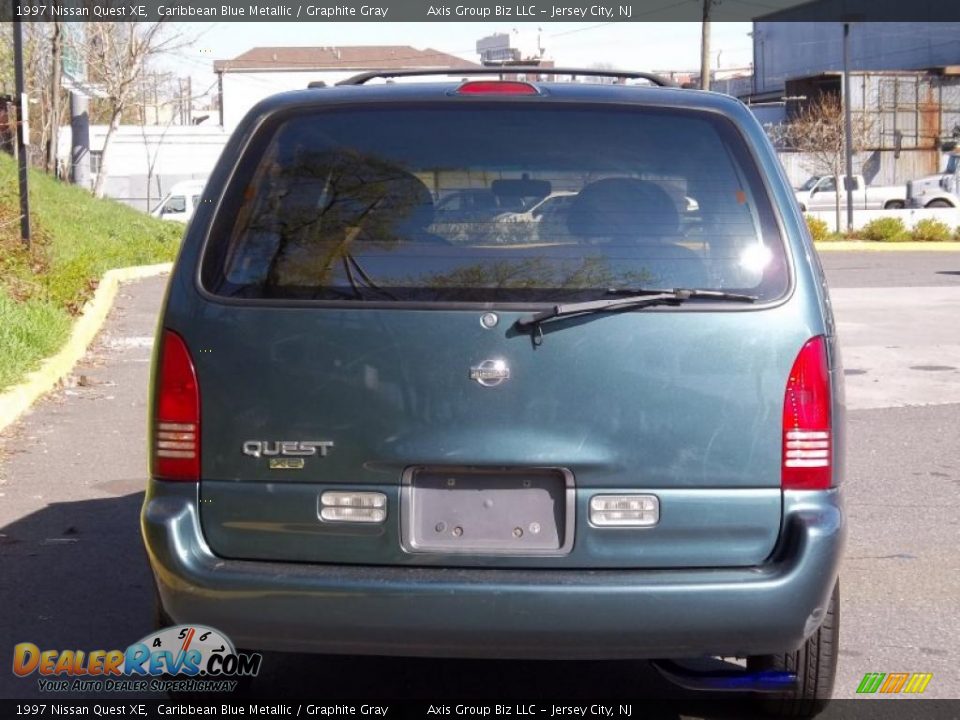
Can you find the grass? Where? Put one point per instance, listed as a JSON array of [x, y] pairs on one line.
[[76, 238]]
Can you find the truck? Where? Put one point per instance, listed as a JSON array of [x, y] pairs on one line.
[[937, 191], [819, 192]]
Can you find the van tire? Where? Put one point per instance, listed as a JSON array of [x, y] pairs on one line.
[[939, 203], [895, 205], [815, 664]]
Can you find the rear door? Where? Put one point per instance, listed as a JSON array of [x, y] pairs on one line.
[[346, 343]]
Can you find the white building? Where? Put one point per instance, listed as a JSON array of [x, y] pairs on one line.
[[144, 162], [263, 71]]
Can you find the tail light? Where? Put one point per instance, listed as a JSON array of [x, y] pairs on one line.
[[176, 442], [807, 436]]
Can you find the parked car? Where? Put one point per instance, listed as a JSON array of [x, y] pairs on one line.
[[819, 192], [545, 220], [181, 202], [465, 215], [937, 191], [367, 438]]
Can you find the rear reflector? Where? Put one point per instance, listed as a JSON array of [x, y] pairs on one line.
[[497, 87], [176, 441], [807, 431]]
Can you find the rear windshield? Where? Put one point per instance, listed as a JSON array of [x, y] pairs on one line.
[[477, 203]]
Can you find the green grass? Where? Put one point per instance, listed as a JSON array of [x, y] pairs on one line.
[[76, 239]]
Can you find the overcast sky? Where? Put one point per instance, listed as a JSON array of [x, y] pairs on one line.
[[633, 46]]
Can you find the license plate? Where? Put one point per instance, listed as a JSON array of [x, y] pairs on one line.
[[488, 512]]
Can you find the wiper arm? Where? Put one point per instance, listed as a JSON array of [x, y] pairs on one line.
[[593, 306], [683, 293], [633, 298]]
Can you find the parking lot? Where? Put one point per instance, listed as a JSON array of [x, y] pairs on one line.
[[72, 476]]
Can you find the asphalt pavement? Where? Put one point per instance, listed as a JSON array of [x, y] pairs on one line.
[[72, 476]]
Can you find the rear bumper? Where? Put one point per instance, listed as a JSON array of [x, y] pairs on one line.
[[498, 612]]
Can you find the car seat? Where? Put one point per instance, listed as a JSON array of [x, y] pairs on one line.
[[636, 221]]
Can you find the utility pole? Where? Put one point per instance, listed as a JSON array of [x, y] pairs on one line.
[[705, 47], [23, 129], [847, 125]]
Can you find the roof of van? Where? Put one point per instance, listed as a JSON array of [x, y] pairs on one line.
[[437, 91]]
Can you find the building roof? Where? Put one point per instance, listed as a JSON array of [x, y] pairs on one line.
[[356, 57]]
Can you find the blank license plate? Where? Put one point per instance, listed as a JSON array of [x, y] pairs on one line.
[[487, 512]]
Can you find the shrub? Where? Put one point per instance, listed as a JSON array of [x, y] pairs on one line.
[[930, 230], [956, 234], [884, 229], [819, 229]]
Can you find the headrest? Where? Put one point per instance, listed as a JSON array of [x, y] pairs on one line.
[[623, 208]]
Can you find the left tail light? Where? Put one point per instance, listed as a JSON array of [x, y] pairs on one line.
[[807, 423], [176, 440]]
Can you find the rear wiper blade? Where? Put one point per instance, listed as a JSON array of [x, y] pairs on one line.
[[632, 298], [593, 306], [683, 293]]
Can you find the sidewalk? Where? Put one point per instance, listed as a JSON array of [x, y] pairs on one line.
[[72, 474]]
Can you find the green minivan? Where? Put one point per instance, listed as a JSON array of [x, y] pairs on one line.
[[619, 435]]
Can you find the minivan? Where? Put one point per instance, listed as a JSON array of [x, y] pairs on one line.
[[624, 440]]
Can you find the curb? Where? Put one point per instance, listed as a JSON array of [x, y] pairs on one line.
[[17, 400], [909, 246]]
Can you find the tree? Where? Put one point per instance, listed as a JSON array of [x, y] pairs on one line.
[[43, 43], [116, 55], [817, 130]]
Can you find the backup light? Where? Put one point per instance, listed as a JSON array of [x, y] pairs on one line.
[[624, 510], [366, 507]]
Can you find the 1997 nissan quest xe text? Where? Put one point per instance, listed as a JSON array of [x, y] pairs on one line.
[[616, 435]]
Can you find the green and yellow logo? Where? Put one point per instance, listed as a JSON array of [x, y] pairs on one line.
[[914, 683]]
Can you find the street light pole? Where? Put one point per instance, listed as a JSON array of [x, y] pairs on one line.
[[23, 128], [847, 123], [705, 47]]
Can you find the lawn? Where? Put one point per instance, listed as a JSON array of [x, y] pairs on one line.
[[76, 238]]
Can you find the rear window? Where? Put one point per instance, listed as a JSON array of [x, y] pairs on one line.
[[478, 203]]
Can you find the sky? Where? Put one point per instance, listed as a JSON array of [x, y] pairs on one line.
[[633, 46]]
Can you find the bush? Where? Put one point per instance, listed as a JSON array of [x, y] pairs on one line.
[[819, 229], [956, 234], [887, 229], [930, 230]]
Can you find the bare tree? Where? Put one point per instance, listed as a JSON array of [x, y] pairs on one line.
[[54, 93], [818, 132], [116, 55], [43, 43]]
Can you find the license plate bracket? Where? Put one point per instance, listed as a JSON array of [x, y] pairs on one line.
[[487, 512]]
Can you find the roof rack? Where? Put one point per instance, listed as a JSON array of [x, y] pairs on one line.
[[657, 80]]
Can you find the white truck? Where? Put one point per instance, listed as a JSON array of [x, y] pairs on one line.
[[180, 203], [820, 193], [937, 191]]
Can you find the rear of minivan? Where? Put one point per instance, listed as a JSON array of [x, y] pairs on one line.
[[376, 433]]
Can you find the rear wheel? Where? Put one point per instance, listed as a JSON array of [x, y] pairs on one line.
[[895, 205], [815, 664], [939, 204]]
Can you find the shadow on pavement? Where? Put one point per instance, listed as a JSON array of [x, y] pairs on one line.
[[76, 577]]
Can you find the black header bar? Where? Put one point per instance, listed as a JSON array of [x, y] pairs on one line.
[[580, 11]]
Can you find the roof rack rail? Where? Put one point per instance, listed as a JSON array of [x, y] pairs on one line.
[[657, 80]]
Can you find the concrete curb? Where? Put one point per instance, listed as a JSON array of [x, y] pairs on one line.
[[17, 400], [888, 246]]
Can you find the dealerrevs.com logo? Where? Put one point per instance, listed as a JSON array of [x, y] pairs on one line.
[[183, 658]]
